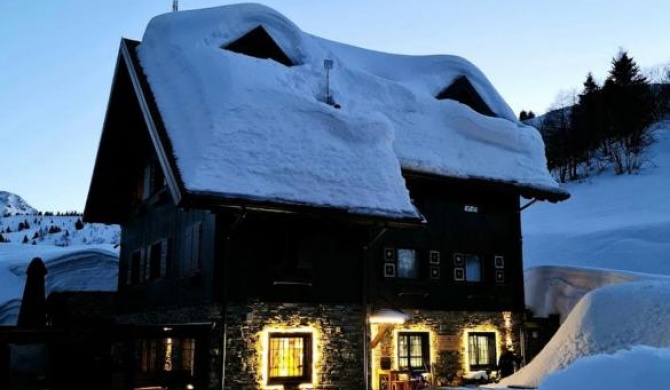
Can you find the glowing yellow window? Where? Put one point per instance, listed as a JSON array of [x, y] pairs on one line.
[[413, 353], [289, 357]]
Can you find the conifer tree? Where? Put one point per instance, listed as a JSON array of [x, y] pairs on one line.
[[629, 104]]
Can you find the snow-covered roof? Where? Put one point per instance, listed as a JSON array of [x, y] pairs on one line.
[[244, 127]]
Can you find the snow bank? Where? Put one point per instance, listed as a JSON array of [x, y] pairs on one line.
[[605, 321], [251, 128], [637, 368], [80, 268], [556, 290]]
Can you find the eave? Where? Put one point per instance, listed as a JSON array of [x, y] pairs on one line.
[[485, 184]]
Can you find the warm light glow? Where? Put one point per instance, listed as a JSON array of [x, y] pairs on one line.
[[507, 316], [466, 344], [432, 341], [263, 349], [384, 320], [167, 365], [388, 316]]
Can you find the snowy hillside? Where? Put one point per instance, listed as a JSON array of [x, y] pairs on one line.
[[56, 230], [610, 222], [79, 256], [602, 261], [12, 204]]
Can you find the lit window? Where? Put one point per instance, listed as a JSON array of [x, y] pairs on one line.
[[413, 351], [408, 266], [473, 268], [481, 350], [290, 357], [168, 355]]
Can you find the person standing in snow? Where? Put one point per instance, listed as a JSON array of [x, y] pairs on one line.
[[506, 363]]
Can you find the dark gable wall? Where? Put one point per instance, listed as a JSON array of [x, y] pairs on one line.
[[158, 218], [493, 230], [181, 286]]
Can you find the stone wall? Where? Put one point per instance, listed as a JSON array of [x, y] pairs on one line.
[[338, 333], [447, 333]]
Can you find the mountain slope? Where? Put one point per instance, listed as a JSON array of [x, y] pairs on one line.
[[12, 204]]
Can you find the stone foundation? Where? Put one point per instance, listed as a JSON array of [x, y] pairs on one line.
[[337, 332], [447, 332]]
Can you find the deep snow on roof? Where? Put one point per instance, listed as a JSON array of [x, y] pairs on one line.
[[246, 127]]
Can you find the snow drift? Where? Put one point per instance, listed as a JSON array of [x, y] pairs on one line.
[[637, 368], [605, 321], [79, 268]]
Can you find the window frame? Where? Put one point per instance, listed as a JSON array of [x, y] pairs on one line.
[[468, 275], [492, 354], [416, 268], [157, 259], [425, 350], [307, 358]]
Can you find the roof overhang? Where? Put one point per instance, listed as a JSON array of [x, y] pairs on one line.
[[484, 184]]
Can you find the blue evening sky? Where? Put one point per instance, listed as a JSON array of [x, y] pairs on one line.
[[57, 59]]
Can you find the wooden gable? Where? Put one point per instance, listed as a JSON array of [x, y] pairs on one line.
[[463, 92], [258, 43]]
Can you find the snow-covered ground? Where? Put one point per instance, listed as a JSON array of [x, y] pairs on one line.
[[602, 261], [72, 268], [78, 256]]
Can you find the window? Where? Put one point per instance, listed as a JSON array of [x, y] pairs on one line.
[[151, 180], [158, 260], [473, 268], [134, 268], [167, 355], [290, 358], [191, 247], [413, 351], [408, 265], [481, 350]]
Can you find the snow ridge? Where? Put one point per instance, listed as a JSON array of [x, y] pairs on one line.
[[12, 204]]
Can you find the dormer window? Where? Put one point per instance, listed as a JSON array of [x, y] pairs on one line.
[[258, 43], [462, 91]]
